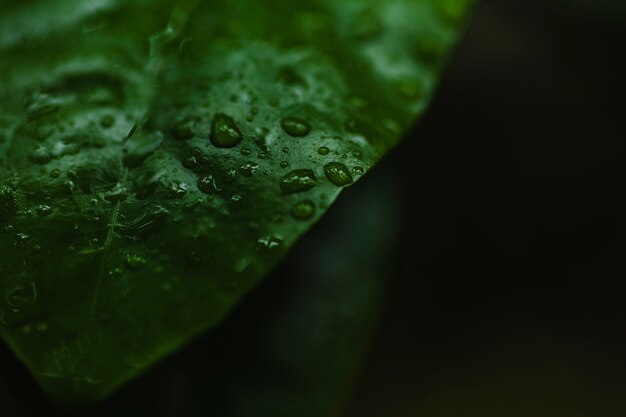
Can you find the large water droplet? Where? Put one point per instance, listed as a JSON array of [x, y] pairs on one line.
[[298, 180], [323, 150], [295, 126], [338, 174], [303, 210], [44, 210], [224, 131]]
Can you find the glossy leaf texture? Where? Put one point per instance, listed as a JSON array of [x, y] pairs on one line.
[[157, 159]]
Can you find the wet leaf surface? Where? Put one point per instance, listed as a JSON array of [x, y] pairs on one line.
[[158, 160]]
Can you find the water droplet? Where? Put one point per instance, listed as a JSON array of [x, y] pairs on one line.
[[295, 126], [134, 261], [284, 164], [41, 155], [207, 184], [230, 177], [358, 170], [260, 137], [269, 243], [246, 151], [303, 210], [323, 150], [285, 150], [191, 163], [247, 169], [55, 173], [44, 210], [224, 132], [117, 194], [357, 154], [184, 130], [338, 174], [298, 180], [177, 189]]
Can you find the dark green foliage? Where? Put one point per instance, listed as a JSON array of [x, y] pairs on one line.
[[157, 162]]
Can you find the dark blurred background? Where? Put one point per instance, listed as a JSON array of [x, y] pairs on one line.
[[501, 233], [508, 292]]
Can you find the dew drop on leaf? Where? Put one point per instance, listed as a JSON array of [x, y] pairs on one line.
[[207, 184], [44, 210], [303, 210], [269, 243], [260, 137], [231, 176], [247, 169], [224, 132], [117, 194], [298, 180], [295, 126], [338, 174], [177, 189], [323, 150]]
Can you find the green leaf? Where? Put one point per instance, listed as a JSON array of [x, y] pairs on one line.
[[158, 161]]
